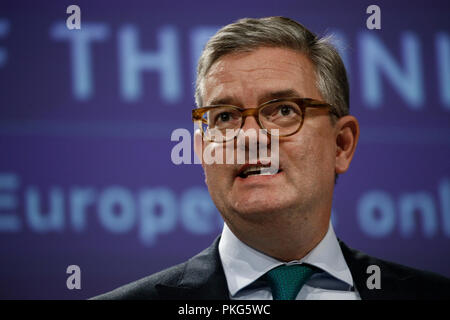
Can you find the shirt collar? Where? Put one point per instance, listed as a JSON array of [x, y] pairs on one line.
[[243, 265]]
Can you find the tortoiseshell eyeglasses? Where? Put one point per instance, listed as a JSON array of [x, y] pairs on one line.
[[221, 123]]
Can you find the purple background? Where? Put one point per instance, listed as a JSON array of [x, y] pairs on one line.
[[54, 142]]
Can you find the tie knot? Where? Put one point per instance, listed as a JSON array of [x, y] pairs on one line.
[[286, 281]]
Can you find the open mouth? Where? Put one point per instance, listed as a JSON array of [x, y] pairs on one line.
[[258, 170]]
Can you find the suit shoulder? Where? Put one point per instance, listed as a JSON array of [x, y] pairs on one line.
[[397, 281], [145, 288], [403, 272], [416, 278]]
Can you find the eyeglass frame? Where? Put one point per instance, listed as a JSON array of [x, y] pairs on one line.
[[303, 103]]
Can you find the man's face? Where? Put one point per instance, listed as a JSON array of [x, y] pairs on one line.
[[306, 159]]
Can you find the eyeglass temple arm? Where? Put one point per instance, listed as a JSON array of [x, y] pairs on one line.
[[319, 104], [197, 115]]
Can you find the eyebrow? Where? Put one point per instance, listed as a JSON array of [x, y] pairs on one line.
[[271, 95]]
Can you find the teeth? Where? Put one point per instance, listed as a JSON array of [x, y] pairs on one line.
[[253, 169], [264, 171], [267, 171]]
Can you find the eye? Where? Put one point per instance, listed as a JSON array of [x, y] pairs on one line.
[[224, 117], [285, 110]]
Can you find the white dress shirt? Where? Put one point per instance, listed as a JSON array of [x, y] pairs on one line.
[[244, 266]]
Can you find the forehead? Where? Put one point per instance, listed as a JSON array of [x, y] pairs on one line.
[[250, 77]]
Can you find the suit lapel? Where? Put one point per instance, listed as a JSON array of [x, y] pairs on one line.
[[202, 278]]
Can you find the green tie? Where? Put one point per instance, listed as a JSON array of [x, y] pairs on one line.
[[287, 280]]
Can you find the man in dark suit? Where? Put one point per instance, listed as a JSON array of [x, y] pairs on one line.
[[275, 78]]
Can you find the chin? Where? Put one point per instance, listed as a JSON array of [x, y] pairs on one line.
[[256, 208]]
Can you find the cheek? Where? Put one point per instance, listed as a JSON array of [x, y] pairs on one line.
[[311, 159], [211, 175], [218, 183], [217, 176]]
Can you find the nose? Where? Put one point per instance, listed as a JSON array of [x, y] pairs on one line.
[[250, 123], [251, 129]]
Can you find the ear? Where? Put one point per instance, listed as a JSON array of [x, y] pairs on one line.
[[347, 135], [198, 145]]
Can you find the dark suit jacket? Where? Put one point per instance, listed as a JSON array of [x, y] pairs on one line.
[[202, 277]]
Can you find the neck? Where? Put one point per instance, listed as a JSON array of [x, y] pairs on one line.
[[283, 240]]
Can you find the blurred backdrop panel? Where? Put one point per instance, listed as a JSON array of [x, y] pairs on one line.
[[89, 175]]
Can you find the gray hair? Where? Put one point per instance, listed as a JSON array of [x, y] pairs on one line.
[[248, 34]]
